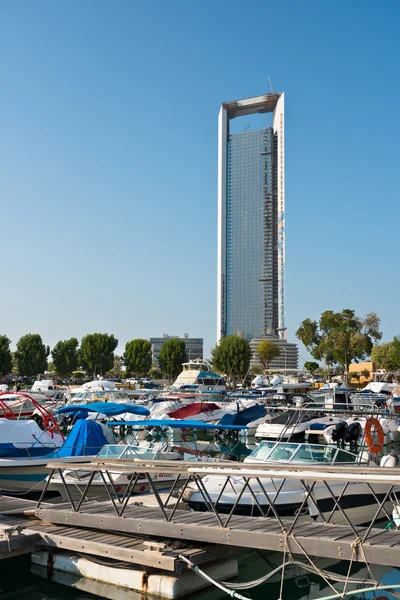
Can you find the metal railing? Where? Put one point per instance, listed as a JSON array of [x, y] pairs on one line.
[[323, 492]]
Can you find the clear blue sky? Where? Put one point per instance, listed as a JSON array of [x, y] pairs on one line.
[[108, 158]]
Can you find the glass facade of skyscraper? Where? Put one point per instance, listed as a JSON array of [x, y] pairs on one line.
[[251, 228]]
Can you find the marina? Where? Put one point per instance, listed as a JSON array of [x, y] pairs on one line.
[[154, 530], [194, 406]]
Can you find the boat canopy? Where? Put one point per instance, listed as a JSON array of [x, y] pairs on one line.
[[245, 416], [379, 387], [175, 424], [109, 409]]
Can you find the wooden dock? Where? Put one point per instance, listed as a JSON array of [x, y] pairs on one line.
[[316, 539], [267, 532], [21, 534]]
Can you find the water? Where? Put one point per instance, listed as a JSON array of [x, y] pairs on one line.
[[17, 582]]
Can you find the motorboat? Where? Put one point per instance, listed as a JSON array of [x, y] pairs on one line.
[[252, 417], [22, 405], [45, 386], [149, 440], [98, 395], [77, 480], [67, 415], [201, 411], [25, 450], [358, 500], [197, 373], [293, 424]]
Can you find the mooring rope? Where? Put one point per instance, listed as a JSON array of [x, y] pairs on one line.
[[210, 580], [229, 588]]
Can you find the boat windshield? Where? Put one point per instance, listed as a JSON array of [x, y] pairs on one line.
[[301, 453], [100, 396], [119, 451]]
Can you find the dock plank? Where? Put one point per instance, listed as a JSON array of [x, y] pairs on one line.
[[331, 541]]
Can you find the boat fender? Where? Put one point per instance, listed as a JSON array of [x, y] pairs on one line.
[[363, 457], [389, 460]]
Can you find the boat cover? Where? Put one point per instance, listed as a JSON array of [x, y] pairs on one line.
[[245, 416], [193, 409], [109, 409], [86, 439], [26, 433]]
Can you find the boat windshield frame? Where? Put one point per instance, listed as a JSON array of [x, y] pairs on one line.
[[99, 395], [290, 452]]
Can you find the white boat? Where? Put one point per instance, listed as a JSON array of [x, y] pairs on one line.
[[25, 450], [291, 425], [196, 376], [45, 386], [358, 501], [20, 405], [77, 480]]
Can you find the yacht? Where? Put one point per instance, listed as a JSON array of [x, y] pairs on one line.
[[197, 373]]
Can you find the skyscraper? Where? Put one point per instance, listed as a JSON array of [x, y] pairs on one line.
[[251, 221]]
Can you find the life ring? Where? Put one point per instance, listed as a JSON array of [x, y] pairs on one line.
[[374, 448]]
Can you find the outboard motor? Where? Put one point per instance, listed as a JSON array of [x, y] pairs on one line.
[[339, 433], [353, 432], [276, 380], [389, 460]]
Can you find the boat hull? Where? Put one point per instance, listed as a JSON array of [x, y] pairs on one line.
[[97, 490], [359, 504], [26, 478]]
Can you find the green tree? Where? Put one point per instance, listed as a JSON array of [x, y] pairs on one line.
[[266, 352], [311, 366], [65, 357], [118, 363], [231, 356], [5, 355], [365, 373], [340, 337], [31, 355], [96, 354], [355, 375], [155, 373], [137, 357], [387, 356], [172, 355]]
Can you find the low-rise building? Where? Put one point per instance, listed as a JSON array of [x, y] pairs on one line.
[[286, 362], [361, 369], [193, 346]]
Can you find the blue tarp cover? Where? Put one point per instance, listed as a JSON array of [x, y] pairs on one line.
[[244, 416], [86, 439], [110, 409], [175, 423]]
